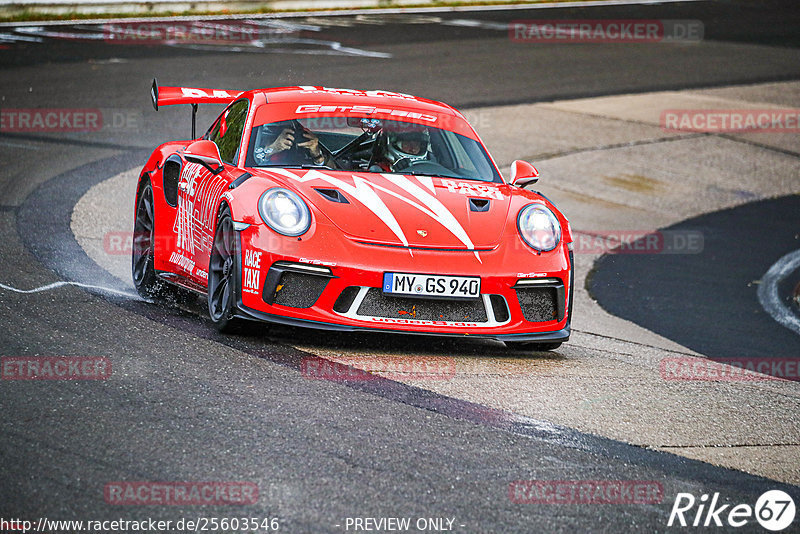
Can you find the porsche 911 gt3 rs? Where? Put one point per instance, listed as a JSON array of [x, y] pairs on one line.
[[351, 210]]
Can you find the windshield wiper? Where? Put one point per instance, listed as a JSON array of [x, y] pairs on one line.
[[297, 166]]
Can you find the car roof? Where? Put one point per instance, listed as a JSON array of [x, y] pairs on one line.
[[333, 96]]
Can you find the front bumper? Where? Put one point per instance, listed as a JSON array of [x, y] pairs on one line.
[[524, 296]]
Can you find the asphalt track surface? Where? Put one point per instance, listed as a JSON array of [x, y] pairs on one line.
[[682, 298], [188, 404]]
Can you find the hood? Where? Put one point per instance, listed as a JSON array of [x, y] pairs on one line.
[[403, 210]]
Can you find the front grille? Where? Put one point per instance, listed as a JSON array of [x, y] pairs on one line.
[[299, 290], [376, 304], [538, 304]]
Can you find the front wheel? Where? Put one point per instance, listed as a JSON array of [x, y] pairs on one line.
[[222, 270], [532, 346]]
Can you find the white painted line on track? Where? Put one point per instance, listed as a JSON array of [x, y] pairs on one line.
[[332, 48], [10, 37], [41, 32], [56, 285], [768, 291], [18, 145]]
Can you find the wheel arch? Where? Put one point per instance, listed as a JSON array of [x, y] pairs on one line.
[[223, 204]]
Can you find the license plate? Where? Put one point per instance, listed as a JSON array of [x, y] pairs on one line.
[[431, 285]]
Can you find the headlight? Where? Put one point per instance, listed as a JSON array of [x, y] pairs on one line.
[[539, 227], [284, 212]]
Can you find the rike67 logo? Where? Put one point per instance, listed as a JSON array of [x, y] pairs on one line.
[[774, 510]]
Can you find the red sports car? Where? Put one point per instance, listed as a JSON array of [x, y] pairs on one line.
[[351, 210]]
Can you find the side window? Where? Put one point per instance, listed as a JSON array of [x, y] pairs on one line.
[[227, 131]]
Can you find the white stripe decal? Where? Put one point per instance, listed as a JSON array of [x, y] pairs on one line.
[[289, 174], [427, 181], [362, 191], [398, 196], [440, 213]]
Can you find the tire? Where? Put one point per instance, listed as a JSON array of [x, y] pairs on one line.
[[147, 283], [223, 266], [531, 346], [145, 279]]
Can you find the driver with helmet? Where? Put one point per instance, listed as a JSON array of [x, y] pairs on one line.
[[274, 141]]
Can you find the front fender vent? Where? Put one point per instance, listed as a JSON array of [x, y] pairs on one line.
[[171, 175], [240, 180]]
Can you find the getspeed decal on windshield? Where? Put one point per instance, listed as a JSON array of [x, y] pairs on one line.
[[363, 110]]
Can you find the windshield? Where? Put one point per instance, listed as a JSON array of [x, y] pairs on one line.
[[369, 145]]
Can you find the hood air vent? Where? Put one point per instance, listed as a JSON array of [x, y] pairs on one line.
[[334, 195], [479, 204]]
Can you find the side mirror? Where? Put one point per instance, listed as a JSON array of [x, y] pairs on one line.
[[523, 173], [205, 152]]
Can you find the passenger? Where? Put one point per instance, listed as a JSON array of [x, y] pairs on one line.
[[402, 149]]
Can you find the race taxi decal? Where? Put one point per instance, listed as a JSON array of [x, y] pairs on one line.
[[251, 271], [472, 189]]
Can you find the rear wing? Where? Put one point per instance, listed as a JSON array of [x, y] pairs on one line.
[[172, 96]]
